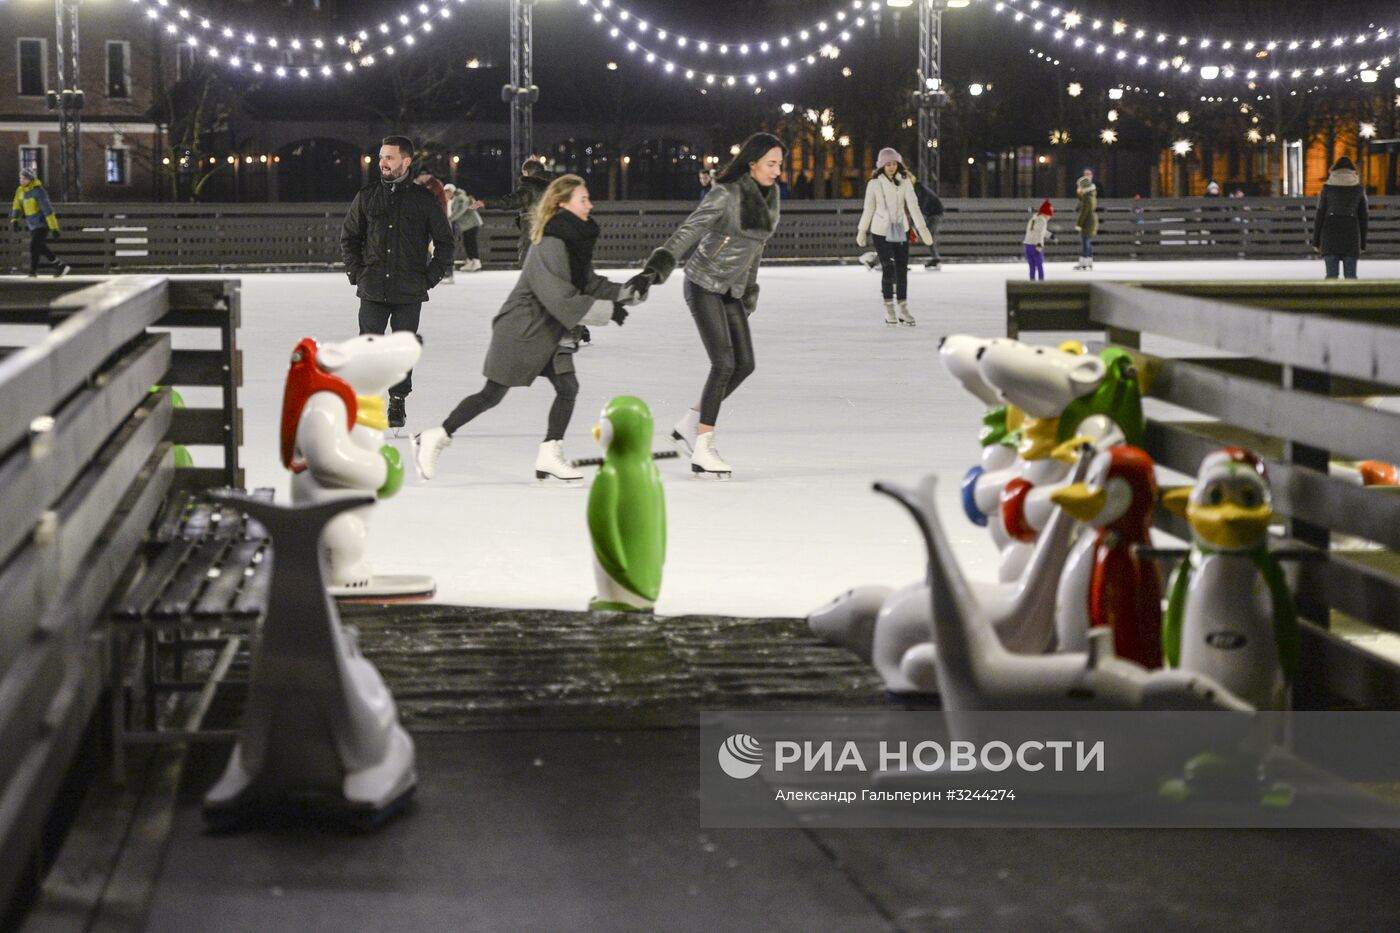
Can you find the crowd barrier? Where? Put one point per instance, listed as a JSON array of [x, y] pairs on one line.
[[198, 237]]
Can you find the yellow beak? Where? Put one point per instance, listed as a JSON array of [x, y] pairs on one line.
[[1075, 347], [1068, 452], [1229, 527], [1080, 500], [1014, 418], [1176, 499], [598, 432]]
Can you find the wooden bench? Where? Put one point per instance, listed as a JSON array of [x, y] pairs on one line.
[[1297, 351]]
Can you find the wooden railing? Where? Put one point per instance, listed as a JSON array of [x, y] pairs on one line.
[[1299, 355], [154, 237], [86, 459]]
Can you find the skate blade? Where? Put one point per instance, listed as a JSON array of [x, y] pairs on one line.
[[703, 474], [682, 444], [548, 480]]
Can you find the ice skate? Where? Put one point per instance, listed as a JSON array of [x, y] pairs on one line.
[[683, 434], [551, 469], [60, 268], [706, 463], [905, 317], [398, 413], [890, 319], [426, 448]]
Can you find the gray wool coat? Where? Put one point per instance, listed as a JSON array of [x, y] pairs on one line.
[[540, 311]]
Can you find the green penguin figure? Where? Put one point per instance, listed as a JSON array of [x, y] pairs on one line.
[[627, 511]]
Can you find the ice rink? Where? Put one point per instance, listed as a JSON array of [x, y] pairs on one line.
[[838, 400]]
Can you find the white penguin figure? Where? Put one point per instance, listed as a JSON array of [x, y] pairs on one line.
[[1230, 615]]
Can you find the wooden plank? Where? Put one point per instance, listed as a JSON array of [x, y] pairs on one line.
[[34, 475], [1346, 429], [1353, 673], [1338, 347], [99, 319], [34, 579]]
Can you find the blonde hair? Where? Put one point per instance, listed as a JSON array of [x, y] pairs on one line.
[[560, 190]]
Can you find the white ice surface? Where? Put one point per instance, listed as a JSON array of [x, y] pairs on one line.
[[839, 400]]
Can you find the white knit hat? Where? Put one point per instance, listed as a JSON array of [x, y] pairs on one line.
[[886, 156]]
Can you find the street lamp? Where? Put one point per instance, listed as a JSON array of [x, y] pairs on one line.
[[68, 101], [521, 93]]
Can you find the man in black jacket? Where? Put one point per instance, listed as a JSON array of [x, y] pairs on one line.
[[533, 180], [384, 243]]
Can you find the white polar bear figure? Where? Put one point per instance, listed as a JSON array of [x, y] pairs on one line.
[[333, 437]]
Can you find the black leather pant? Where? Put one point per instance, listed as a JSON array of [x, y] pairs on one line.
[[724, 330]]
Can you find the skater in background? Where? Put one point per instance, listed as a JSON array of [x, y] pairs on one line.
[[32, 208], [384, 244], [1339, 226], [533, 180], [425, 177], [891, 212], [1087, 221], [721, 244], [465, 221], [932, 206], [535, 332], [1037, 231], [707, 181]]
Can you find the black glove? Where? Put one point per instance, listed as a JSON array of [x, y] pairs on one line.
[[641, 283], [56, 234], [619, 314], [750, 299]]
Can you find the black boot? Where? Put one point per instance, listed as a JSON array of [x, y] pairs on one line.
[[398, 411]]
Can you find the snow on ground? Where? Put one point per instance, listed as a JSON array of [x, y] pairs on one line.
[[838, 401]]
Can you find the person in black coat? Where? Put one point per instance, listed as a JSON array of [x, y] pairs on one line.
[[384, 243], [1339, 228], [533, 180], [932, 207]]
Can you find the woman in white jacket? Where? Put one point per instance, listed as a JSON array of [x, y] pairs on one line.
[[891, 209]]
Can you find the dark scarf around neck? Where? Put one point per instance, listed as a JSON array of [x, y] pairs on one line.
[[758, 206], [579, 236]]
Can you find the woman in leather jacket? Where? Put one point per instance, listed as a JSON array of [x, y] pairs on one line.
[[720, 245]]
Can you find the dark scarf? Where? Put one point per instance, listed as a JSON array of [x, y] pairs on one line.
[[758, 206], [579, 238]]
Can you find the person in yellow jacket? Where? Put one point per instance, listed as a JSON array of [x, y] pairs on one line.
[[33, 208]]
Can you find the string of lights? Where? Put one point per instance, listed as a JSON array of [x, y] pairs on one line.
[[721, 77], [1365, 70], [242, 51], [292, 47], [625, 19], [1071, 19]]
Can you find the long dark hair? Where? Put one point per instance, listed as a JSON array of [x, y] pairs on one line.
[[902, 173], [751, 151]]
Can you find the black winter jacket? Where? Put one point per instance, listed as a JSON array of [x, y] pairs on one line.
[[523, 199], [384, 242], [1339, 229]]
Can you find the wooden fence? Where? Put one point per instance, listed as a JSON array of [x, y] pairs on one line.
[[153, 237], [85, 461]]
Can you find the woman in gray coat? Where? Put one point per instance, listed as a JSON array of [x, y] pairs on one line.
[[535, 332], [721, 244]]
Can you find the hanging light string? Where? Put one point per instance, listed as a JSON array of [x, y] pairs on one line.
[[1365, 70], [244, 54], [210, 30], [1071, 19], [1117, 90], [707, 76], [819, 30]]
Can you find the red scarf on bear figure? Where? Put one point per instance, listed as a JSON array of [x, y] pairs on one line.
[[304, 379]]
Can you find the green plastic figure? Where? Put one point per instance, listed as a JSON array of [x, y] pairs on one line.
[[627, 511]]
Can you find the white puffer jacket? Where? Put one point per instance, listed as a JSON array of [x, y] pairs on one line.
[[885, 206]]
